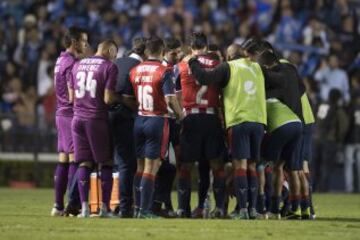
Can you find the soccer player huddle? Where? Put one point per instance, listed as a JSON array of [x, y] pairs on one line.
[[244, 121]]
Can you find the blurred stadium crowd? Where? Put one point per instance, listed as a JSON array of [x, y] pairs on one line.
[[321, 37]]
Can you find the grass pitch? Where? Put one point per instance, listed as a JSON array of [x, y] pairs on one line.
[[24, 214]]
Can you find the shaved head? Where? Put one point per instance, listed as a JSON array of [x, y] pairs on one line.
[[108, 49]]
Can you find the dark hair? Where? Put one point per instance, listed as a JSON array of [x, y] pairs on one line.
[[267, 58], [138, 45], [198, 40], [171, 44], [213, 47], [251, 45], [154, 45], [73, 33]]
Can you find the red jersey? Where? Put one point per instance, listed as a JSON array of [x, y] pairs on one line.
[[197, 98], [151, 82]]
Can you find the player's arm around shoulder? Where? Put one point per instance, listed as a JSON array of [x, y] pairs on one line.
[[218, 75]]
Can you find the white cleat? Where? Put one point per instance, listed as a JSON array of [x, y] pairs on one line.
[[85, 211], [56, 213], [273, 216]]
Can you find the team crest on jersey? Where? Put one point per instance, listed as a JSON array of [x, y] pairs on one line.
[[249, 87]]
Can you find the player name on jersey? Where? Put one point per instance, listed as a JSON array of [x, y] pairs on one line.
[[197, 98]]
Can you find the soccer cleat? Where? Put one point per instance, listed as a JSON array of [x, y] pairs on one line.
[[85, 211], [273, 216], [197, 213], [167, 213], [305, 214], [233, 214], [253, 214], [242, 215], [147, 215], [124, 215], [217, 213], [181, 213], [312, 212], [105, 213], [55, 212], [294, 215], [136, 212], [71, 210]]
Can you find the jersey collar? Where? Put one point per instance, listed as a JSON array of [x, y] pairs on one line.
[[136, 56]]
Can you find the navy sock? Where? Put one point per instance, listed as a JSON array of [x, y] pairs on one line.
[[241, 187], [260, 206], [253, 188], [147, 191], [106, 185], [136, 189], [184, 190], [275, 204], [171, 174], [72, 170], [219, 188], [295, 202], [310, 193], [305, 202], [268, 187], [203, 184]]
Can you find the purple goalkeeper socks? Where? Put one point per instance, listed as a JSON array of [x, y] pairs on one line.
[[60, 182], [84, 183], [106, 185]]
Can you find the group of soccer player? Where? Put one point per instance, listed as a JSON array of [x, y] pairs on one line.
[[246, 120]]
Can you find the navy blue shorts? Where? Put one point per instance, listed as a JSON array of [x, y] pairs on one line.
[[283, 145], [174, 134], [245, 140], [151, 136], [201, 138]]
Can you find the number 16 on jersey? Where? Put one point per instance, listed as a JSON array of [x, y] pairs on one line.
[[146, 101]]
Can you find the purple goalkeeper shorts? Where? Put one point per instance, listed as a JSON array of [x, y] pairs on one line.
[[91, 140], [65, 140]]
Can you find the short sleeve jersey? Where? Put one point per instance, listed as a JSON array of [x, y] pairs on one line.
[[90, 77], [151, 82], [193, 94], [62, 75]]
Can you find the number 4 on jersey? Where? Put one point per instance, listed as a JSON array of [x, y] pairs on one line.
[[85, 83]]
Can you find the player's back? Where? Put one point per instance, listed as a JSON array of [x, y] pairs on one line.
[[147, 80], [62, 71], [90, 77], [195, 96]]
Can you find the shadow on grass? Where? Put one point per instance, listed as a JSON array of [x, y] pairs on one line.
[[338, 219]]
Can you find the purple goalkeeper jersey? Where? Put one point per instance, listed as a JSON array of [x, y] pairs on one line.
[[62, 73], [89, 79]]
